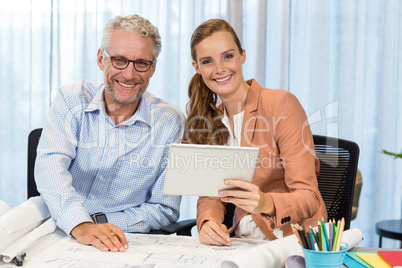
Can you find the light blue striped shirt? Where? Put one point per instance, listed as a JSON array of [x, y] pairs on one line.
[[87, 164]]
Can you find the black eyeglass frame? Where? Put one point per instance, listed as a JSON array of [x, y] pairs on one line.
[[151, 62]]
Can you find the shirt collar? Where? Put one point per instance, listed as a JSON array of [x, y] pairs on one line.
[[237, 125], [97, 101], [225, 118], [142, 113]]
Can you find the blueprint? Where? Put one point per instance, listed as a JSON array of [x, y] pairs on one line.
[[144, 251], [56, 250]]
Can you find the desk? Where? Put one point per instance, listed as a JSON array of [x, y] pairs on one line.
[[145, 251], [366, 249], [390, 228], [58, 250]]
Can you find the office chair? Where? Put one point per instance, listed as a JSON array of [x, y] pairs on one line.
[[33, 140], [180, 228], [336, 181]]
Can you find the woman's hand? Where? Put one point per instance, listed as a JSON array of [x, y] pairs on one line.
[[213, 233], [248, 197]]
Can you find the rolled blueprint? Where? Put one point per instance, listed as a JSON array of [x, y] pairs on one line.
[[274, 254], [3, 208], [18, 247], [22, 219]]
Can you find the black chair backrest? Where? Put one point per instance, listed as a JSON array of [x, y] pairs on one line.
[[33, 140], [336, 182]]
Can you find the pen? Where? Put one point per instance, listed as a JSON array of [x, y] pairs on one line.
[[19, 259]]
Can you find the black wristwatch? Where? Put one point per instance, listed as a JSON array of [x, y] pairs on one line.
[[100, 217]]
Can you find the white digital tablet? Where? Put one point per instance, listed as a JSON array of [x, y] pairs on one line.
[[200, 170]]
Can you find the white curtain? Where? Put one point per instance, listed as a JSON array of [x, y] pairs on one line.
[[341, 58]]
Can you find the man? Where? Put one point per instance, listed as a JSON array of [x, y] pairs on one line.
[[104, 145]]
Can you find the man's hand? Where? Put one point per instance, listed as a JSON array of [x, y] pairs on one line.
[[213, 233], [104, 236]]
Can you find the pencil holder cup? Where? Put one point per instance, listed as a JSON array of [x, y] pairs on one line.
[[324, 259]]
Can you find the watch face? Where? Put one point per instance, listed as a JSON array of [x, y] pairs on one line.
[[100, 218]]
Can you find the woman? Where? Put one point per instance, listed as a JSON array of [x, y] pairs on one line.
[[284, 188]]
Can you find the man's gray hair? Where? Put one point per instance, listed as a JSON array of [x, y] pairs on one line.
[[133, 23]]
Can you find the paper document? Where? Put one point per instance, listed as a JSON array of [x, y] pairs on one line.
[[175, 251], [144, 251], [393, 258], [373, 259]]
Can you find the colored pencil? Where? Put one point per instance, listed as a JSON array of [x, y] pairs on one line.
[[320, 239], [319, 236], [296, 233], [310, 235], [333, 232], [314, 234], [336, 235], [323, 243], [307, 239], [330, 234], [340, 231], [302, 237], [324, 229]]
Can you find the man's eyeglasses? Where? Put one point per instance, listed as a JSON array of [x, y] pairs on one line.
[[122, 63]]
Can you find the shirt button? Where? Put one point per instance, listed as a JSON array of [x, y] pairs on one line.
[[92, 196], [101, 178]]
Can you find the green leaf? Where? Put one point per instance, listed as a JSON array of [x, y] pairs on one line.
[[393, 154]]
